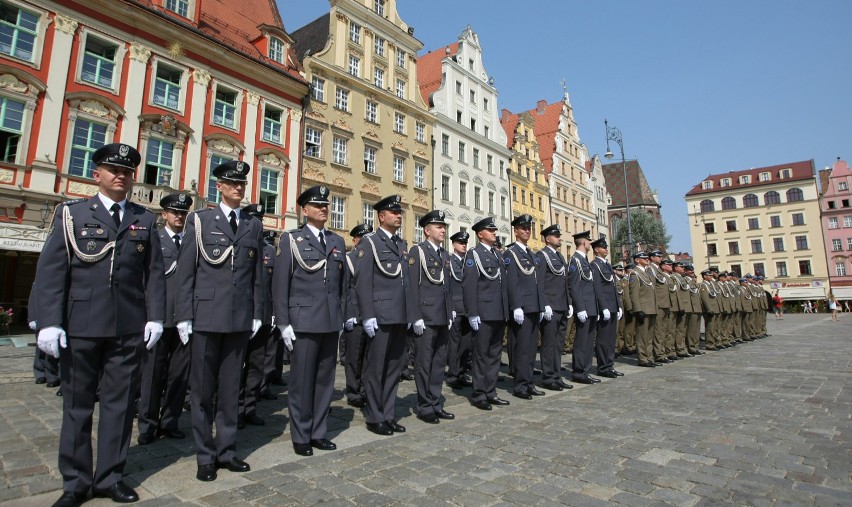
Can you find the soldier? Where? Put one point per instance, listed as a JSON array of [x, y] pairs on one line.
[[584, 296], [432, 316], [748, 308], [553, 278], [381, 285], [684, 301], [693, 327], [165, 368], [459, 347], [308, 290], [353, 333], [670, 341], [664, 304], [644, 304], [627, 323], [100, 277], [609, 305], [486, 303], [526, 299], [764, 303], [710, 306], [273, 342], [220, 301]]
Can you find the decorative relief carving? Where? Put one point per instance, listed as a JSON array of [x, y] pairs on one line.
[[10, 82], [65, 24], [341, 182], [253, 98], [222, 145], [370, 188], [80, 188], [420, 201], [7, 176], [296, 115], [400, 146], [270, 222], [94, 108], [341, 17], [421, 154], [316, 116], [372, 135], [313, 173], [342, 125], [201, 77], [140, 52], [271, 159]]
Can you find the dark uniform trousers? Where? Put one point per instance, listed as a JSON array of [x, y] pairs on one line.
[[459, 348], [383, 362], [311, 384], [356, 342], [487, 349], [523, 341], [605, 342], [165, 368], [430, 360], [584, 343], [254, 370], [584, 295], [270, 357], [553, 333], [45, 366]]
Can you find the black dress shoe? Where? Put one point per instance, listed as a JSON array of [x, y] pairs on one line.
[[535, 392], [617, 373], [303, 449], [466, 381], [552, 387], [175, 434], [584, 380], [145, 438], [607, 374], [443, 414], [698, 353], [187, 406], [563, 384], [664, 360], [497, 401], [41, 380], [481, 405], [380, 428], [323, 444], [429, 418], [522, 395], [52, 383], [684, 356], [657, 363], [278, 381], [118, 492], [59, 392], [234, 465], [254, 420], [395, 426], [673, 358], [456, 384], [646, 365], [266, 394], [69, 499], [360, 403], [206, 473], [406, 376]]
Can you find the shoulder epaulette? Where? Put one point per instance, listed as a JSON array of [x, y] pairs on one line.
[[74, 201]]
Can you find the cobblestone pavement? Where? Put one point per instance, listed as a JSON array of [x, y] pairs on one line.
[[763, 423]]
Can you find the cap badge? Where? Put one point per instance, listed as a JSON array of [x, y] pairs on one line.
[[90, 246], [323, 191], [240, 166], [182, 198], [124, 150]]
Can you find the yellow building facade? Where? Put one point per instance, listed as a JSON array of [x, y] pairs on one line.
[[527, 177]]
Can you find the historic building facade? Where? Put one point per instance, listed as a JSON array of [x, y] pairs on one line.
[[201, 84], [600, 195], [836, 206], [641, 197], [367, 129], [471, 157]]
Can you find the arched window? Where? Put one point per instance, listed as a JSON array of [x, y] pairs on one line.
[[772, 197], [750, 201], [729, 203], [795, 194], [707, 205]]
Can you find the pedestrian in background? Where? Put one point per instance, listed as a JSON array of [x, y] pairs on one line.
[[778, 304]]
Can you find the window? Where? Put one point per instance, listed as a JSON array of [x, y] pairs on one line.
[[379, 45], [159, 162], [400, 88], [379, 7], [370, 159], [445, 187], [514, 193], [831, 205], [461, 151], [729, 203], [725, 182], [355, 32], [731, 225], [167, 93], [849, 243], [745, 179], [523, 196], [212, 192], [805, 268], [224, 109], [379, 77], [276, 50], [313, 142], [338, 212], [11, 121], [269, 190], [463, 193], [368, 214], [833, 223], [801, 242], [707, 206], [736, 268], [98, 62], [733, 248], [18, 31], [798, 219], [775, 221], [842, 185], [458, 117], [418, 231], [400, 58], [398, 122], [795, 194], [758, 268], [836, 245], [476, 158], [341, 99], [371, 113], [419, 175], [472, 96], [318, 89], [753, 223], [489, 163], [420, 132], [354, 65], [473, 124], [749, 201], [711, 249], [445, 145], [272, 124], [772, 197], [490, 203], [756, 246], [503, 206], [840, 268], [338, 150], [485, 104], [847, 221], [477, 198], [485, 131], [707, 185], [781, 268], [87, 138], [763, 177], [458, 88], [784, 173], [845, 203], [710, 227], [398, 169], [778, 244], [180, 7]]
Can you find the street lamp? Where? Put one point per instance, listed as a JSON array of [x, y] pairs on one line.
[[613, 134]]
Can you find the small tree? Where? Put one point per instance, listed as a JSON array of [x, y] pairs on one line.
[[647, 229]]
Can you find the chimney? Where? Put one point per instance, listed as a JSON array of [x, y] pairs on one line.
[[504, 113], [540, 105]]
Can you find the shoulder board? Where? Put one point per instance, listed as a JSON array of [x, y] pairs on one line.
[[294, 231], [74, 201], [204, 210], [330, 233]]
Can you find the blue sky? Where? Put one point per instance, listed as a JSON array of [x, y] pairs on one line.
[[695, 87]]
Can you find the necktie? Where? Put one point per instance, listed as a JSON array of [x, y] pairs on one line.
[[116, 214], [233, 221], [177, 241], [322, 239]]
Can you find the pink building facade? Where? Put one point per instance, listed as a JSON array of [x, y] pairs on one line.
[[836, 207]]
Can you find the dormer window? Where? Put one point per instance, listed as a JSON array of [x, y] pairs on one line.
[[707, 185], [784, 173], [745, 179], [179, 7], [276, 50], [764, 177], [725, 182], [379, 7]]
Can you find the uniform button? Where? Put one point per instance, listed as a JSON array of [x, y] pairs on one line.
[[235, 284]]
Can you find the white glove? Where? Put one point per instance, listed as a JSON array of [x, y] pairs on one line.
[[620, 314], [370, 327], [518, 314], [273, 321], [606, 314], [184, 328], [454, 316], [153, 333], [582, 316], [349, 325], [570, 311], [474, 322], [450, 326], [548, 312], [255, 326], [287, 335], [419, 327], [33, 324], [50, 339]]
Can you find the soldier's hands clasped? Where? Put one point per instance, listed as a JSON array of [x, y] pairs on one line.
[[50, 339]]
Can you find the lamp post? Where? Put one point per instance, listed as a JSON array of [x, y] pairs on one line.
[[613, 134]]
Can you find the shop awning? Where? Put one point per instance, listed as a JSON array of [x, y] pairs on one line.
[[801, 293], [842, 292]]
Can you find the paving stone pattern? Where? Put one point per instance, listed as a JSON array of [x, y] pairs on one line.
[[763, 423]]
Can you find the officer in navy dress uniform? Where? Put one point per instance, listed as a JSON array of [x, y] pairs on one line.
[[432, 316], [100, 278], [353, 332], [273, 341], [609, 305], [581, 285], [486, 303], [526, 300], [382, 288], [255, 357], [220, 302], [165, 368], [553, 277], [459, 347]]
